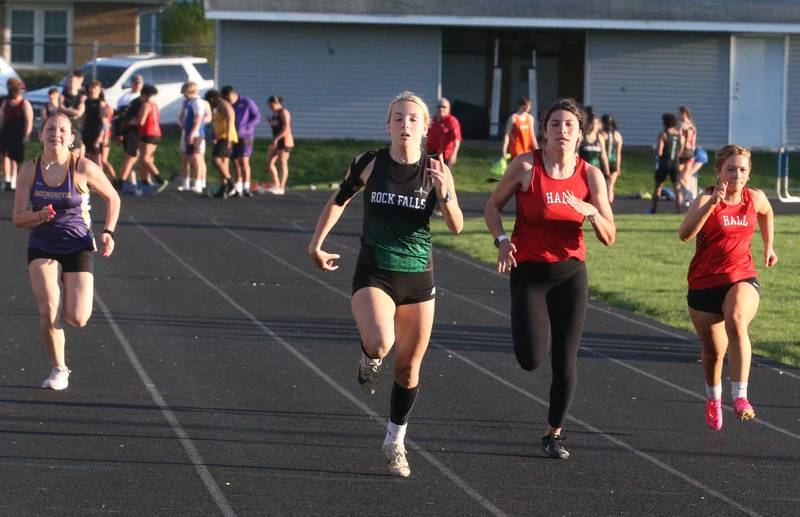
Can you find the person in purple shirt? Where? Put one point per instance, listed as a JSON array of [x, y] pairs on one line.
[[52, 200], [247, 118]]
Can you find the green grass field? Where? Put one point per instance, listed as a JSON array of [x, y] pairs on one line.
[[645, 272], [322, 162]]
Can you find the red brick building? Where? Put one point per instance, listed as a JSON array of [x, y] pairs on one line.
[[51, 34]]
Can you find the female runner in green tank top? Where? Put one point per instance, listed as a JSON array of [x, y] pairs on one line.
[[393, 286]]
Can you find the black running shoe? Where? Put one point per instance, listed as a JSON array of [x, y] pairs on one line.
[[247, 193], [553, 446]]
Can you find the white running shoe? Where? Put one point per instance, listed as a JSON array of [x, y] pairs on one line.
[[396, 457], [276, 191], [197, 189], [368, 371], [58, 380], [184, 187]]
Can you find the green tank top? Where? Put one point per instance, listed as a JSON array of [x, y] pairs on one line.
[[591, 151], [398, 202], [672, 145]]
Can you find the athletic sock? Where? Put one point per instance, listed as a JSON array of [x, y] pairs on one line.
[[13, 183], [714, 392], [738, 390], [395, 433], [239, 187], [247, 185], [401, 403]]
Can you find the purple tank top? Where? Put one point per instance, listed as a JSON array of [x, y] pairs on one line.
[[70, 230]]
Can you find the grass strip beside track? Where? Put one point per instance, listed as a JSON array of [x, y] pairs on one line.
[[645, 272], [322, 162]]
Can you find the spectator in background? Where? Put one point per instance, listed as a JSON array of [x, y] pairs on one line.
[[247, 118], [149, 123], [16, 124], [51, 107], [225, 138], [71, 103], [593, 146], [191, 120], [108, 117], [520, 134], [669, 147], [444, 134], [689, 131], [282, 144], [126, 127], [613, 152], [136, 89], [93, 129]]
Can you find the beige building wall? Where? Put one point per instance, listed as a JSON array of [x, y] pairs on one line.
[[114, 26]]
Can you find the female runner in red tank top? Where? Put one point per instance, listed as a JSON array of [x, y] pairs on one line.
[[556, 191], [723, 290]]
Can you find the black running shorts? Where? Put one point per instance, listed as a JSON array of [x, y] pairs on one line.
[[77, 262], [711, 299], [404, 288]]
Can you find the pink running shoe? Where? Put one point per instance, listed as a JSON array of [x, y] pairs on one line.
[[714, 414], [743, 409]]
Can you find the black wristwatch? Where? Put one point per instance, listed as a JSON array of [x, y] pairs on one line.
[[110, 232], [499, 239], [447, 197]]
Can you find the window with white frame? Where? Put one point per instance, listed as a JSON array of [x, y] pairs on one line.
[[39, 36], [22, 35]]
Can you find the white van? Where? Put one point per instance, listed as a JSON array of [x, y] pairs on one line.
[[166, 73], [6, 73]]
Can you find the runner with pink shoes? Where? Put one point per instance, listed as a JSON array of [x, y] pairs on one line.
[[723, 289]]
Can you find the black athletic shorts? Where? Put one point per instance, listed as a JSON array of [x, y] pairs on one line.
[[281, 146], [711, 299], [404, 288], [150, 139], [130, 141], [667, 168], [77, 262], [12, 147], [221, 149]]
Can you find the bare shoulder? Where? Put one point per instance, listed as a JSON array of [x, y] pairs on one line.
[[760, 200]]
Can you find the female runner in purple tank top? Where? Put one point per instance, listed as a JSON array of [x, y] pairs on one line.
[[52, 199]]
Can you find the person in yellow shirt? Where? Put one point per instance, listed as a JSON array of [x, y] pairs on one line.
[[224, 137]]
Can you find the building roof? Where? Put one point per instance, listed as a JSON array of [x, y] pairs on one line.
[[689, 15]]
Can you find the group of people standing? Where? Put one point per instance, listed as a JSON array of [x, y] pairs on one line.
[[557, 194], [225, 118], [679, 158]]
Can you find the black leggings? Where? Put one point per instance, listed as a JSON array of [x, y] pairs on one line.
[[550, 299]]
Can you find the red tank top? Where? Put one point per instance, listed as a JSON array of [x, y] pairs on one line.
[[151, 126], [722, 255], [547, 229]]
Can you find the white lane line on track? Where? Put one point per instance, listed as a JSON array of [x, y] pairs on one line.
[[644, 373], [460, 483], [671, 470], [635, 369], [594, 306], [191, 451]]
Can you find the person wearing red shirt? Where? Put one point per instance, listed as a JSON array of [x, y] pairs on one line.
[[723, 288], [444, 134], [555, 191]]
